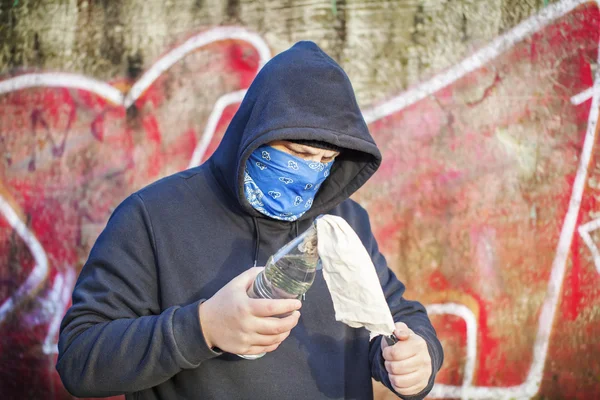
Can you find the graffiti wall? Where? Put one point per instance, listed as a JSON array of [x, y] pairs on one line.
[[487, 204], [494, 198]]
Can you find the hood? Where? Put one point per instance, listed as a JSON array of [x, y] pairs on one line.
[[301, 93]]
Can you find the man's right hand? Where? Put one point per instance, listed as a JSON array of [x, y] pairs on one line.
[[238, 324]]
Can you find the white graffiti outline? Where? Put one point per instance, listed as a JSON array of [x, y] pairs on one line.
[[62, 79], [114, 95], [498, 46], [63, 286], [504, 42], [211, 126], [492, 50], [467, 315], [584, 231], [195, 42], [39, 271], [583, 96], [53, 300]]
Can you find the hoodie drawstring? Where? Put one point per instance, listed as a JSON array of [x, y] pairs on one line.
[[257, 240], [296, 227]]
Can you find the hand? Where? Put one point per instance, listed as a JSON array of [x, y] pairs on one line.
[[235, 323], [407, 362]]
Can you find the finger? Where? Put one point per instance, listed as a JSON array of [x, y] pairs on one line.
[[272, 308], [401, 326], [267, 340], [405, 381], [276, 326], [418, 388], [403, 367], [402, 335], [246, 278], [261, 349], [400, 351]]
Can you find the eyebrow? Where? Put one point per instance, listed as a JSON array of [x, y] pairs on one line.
[[299, 148]]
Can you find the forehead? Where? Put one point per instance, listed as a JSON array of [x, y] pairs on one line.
[[306, 148]]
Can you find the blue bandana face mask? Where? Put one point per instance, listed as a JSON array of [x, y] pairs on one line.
[[280, 185]]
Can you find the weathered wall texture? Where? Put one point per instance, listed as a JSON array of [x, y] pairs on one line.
[[486, 205]]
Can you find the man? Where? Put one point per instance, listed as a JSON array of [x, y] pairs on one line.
[[160, 309]]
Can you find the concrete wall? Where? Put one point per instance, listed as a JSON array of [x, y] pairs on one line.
[[486, 205]]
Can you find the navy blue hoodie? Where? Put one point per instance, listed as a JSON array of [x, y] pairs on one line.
[[134, 327]]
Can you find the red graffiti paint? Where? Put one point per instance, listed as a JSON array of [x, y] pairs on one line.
[[468, 205], [472, 195], [69, 157]]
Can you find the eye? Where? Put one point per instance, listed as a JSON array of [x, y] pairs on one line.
[[299, 154]]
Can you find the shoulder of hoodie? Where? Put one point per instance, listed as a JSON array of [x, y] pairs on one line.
[[165, 189]]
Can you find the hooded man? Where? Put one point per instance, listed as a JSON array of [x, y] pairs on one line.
[[160, 308]]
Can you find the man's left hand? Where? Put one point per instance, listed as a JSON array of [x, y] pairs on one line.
[[407, 362]]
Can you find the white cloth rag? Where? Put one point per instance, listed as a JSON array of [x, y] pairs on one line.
[[358, 299]]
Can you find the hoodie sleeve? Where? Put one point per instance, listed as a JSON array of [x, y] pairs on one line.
[[412, 313], [115, 339]]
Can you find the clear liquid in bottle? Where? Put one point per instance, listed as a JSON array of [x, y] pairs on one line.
[[289, 273]]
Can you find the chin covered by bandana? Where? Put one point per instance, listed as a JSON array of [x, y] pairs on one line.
[[280, 185]]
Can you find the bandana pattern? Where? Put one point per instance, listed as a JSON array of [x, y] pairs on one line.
[[280, 185]]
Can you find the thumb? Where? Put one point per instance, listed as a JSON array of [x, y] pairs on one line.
[[402, 335], [402, 331], [247, 277]]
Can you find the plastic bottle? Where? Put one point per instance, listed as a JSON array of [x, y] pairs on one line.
[[289, 273]]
